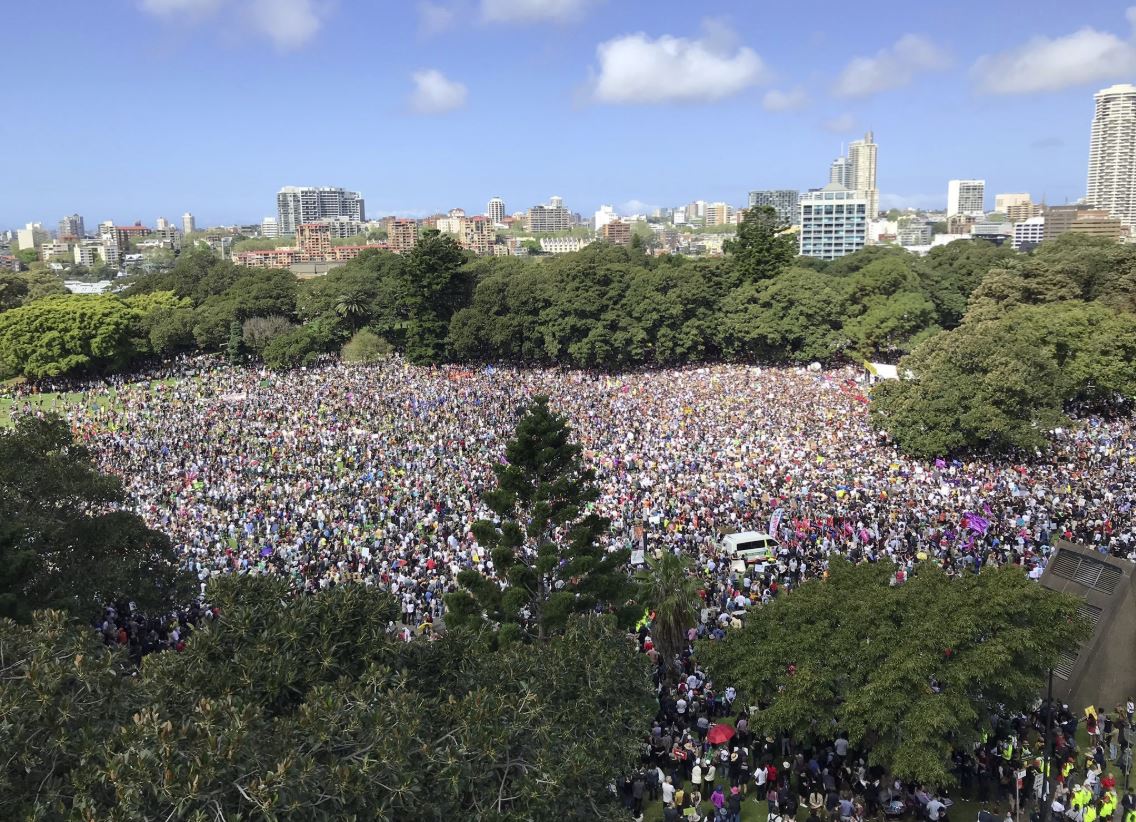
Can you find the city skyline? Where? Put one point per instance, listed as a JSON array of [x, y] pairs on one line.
[[1010, 102]]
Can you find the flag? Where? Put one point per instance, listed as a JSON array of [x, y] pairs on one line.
[[775, 522], [975, 523]]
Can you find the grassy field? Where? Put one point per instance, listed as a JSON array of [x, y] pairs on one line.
[[56, 401]]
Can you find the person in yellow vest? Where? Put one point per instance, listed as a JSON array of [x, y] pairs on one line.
[[1091, 813], [1066, 769]]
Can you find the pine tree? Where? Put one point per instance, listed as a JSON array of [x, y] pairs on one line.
[[545, 544]]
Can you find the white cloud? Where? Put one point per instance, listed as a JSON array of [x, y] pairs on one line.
[[775, 100], [287, 23], [634, 206], [433, 18], [435, 94], [890, 68], [534, 11], [1045, 64], [636, 69], [888, 201], [840, 124]]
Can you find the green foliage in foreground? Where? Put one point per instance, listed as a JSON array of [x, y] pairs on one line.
[[911, 671], [304, 709], [62, 545]]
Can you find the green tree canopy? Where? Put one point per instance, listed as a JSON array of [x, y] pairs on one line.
[[762, 248], [63, 544], [911, 672]]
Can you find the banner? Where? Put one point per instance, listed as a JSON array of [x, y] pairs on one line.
[[775, 523]]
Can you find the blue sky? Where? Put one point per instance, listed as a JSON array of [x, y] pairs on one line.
[[133, 109]]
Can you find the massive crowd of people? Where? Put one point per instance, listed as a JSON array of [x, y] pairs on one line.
[[376, 473]]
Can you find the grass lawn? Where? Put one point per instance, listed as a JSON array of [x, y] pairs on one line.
[[56, 401]]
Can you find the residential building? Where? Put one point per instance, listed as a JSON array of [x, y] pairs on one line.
[[785, 201], [478, 235], [161, 224], [834, 222], [88, 253], [912, 231], [495, 211], [112, 252], [56, 250], [563, 245], [343, 227], [555, 202], [862, 171], [33, 235], [451, 224], [547, 219], [604, 216], [967, 197], [124, 234], [188, 223], [1112, 154], [718, 214], [402, 235], [617, 232], [961, 223], [314, 240], [1029, 233], [71, 227], [296, 205], [10, 262], [269, 228], [840, 172], [1016, 207], [269, 257]]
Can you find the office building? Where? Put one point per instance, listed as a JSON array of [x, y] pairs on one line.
[[296, 205], [1081, 219], [785, 201], [966, 197], [71, 227], [33, 235], [546, 219], [1112, 154], [402, 235], [617, 232], [834, 222], [314, 240], [188, 223], [603, 216], [1029, 233], [495, 211]]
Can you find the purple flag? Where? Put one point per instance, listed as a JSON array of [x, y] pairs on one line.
[[975, 523], [940, 463]]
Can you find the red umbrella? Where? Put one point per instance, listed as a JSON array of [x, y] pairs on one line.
[[720, 733]]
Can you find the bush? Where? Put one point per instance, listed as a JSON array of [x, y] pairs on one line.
[[366, 346]]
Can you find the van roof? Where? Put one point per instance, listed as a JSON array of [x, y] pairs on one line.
[[745, 536]]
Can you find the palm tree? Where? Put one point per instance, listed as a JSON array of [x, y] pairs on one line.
[[351, 306], [669, 588]]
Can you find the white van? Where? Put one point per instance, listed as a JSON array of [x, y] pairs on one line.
[[749, 548]]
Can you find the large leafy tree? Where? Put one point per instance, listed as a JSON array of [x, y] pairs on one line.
[[304, 709], [63, 542], [910, 671], [437, 288], [544, 545]]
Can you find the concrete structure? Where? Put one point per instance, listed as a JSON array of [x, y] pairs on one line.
[[563, 245], [997, 233], [555, 202], [188, 223], [1096, 222], [269, 257], [834, 222], [1112, 154], [547, 219], [912, 231], [269, 228], [314, 240], [56, 250], [112, 253], [341, 227], [32, 235], [718, 214], [71, 227], [862, 171], [603, 216], [839, 172], [966, 197], [1102, 670], [495, 211], [478, 235], [1016, 207], [785, 201], [617, 232], [296, 205], [89, 253], [1029, 233], [161, 224], [402, 235]]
